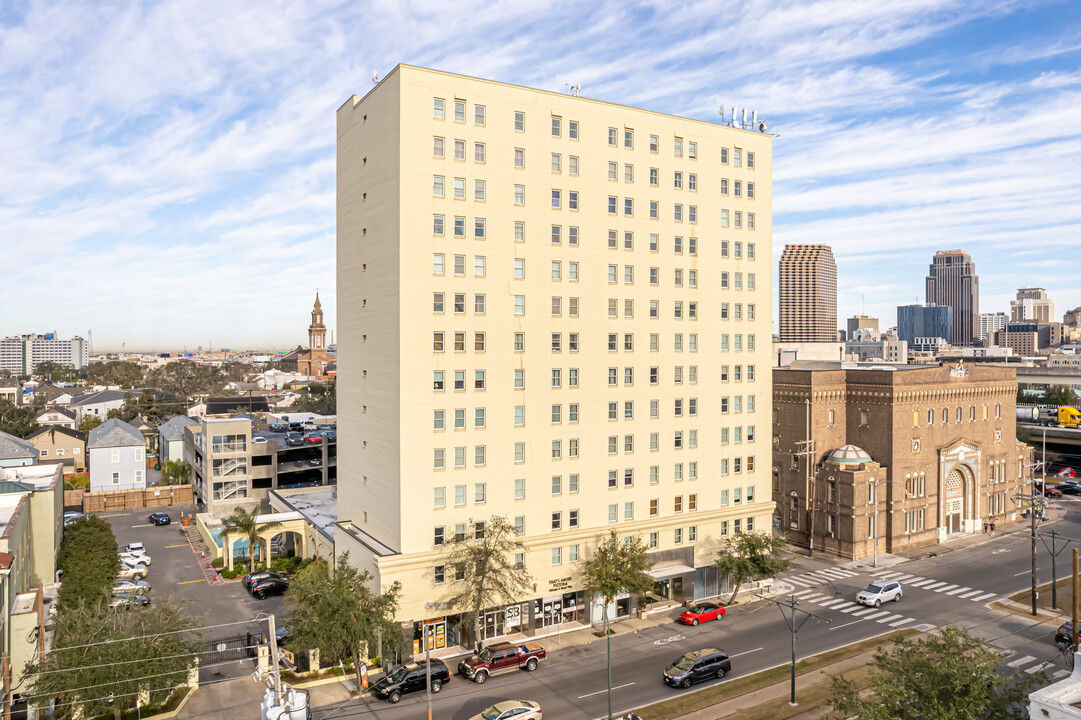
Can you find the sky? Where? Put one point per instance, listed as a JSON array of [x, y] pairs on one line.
[[167, 168]]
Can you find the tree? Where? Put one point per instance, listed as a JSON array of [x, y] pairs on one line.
[[943, 676], [242, 522], [183, 380], [18, 420], [341, 613], [118, 372], [751, 555], [617, 566], [485, 561], [89, 422], [55, 372], [176, 472], [104, 654], [318, 398], [88, 560]]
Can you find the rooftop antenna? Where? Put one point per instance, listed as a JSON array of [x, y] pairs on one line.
[[375, 76], [743, 120], [754, 117], [575, 90]]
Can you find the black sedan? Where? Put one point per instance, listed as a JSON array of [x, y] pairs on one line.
[[269, 586], [1069, 487], [159, 518], [250, 580]]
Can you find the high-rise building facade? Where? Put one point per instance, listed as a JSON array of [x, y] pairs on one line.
[[22, 354], [861, 322], [1032, 305], [552, 309], [917, 323], [807, 288], [989, 324], [953, 281]]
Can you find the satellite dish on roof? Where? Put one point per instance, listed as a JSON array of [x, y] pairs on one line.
[[761, 127]]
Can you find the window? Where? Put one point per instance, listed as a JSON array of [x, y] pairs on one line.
[[519, 268], [439, 575], [557, 127], [654, 210], [678, 147], [737, 156], [478, 266], [519, 122], [557, 163], [557, 554], [572, 164], [613, 512], [519, 374], [628, 173], [438, 108], [572, 200], [557, 521], [692, 150], [612, 211], [478, 190], [437, 147], [478, 114], [557, 199], [459, 225], [750, 160], [437, 188], [556, 377], [519, 452], [628, 206], [750, 191], [628, 139], [437, 342], [438, 420], [519, 157], [459, 149], [572, 129], [459, 111], [437, 264], [519, 489], [519, 304], [439, 459], [478, 152], [519, 232]]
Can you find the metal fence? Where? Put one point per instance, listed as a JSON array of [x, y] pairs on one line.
[[237, 647]]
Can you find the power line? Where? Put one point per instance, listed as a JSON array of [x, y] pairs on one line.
[[132, 679], [171, 632], [120, 695], [128, 662]]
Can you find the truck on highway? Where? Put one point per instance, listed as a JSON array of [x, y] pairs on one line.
[[1027, 413], [500, 658], [1069, 417]]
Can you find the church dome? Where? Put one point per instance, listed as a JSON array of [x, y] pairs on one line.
[[849, 455]]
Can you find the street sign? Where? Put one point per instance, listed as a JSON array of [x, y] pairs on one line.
[[364, 675]]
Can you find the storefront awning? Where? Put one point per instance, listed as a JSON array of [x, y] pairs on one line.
[[670, 571]]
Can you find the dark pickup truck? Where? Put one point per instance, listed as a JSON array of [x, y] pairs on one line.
[[500, 658]]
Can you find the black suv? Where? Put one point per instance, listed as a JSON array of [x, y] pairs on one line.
[[696, 666], [269, 586], [411, 678], [293, 438], [1064, 634], [250, 580]]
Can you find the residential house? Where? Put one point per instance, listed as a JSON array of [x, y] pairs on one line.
[[117, 457], [59, 444], [99, 403], [57, 416], [150, 433], [171, 438], [11, 390], [16, 451]]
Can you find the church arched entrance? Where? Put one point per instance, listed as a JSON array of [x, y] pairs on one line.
[[957, 497]]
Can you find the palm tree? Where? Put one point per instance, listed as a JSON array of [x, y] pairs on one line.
[[176, 472], [243, 522]]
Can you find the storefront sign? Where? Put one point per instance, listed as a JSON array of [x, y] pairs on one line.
[[617, 598], [364, 675], [514, 616], [563, 583]]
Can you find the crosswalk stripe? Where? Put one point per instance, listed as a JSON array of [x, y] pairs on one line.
[[863, 612], [922, 582], [891, 618], [880, 613], [1037, 668], [1021, 661], [1061, 674], [833, 575], [899, 623], [849, 608], [944, 589], [899, 578], [844, 572], [814, 598], [969, 594], [981, 598], [935, 585], [831, 603], [794, 581], [802, 593], [958, 590]]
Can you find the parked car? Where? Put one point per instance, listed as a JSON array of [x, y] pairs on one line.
[[1053, 491], [1064, 634], [313, 438], [1069, 487], [135, 558], [296, 427], [259, 439], [278, 427], [159, 518], [411, 678], [516, 709], [880, 591], [124, 586], [269, 586], [134, 547], [293, 438], [315, 462], [309, 426], [324, 426], [697, 666], [125, 602], [250, 580], [71, 516], [330, 435], [500, 658], [132, 572], [701, 612]]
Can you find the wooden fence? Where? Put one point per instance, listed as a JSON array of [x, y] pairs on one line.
[[110, 500]]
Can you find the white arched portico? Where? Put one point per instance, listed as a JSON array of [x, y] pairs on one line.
[[958, 489]]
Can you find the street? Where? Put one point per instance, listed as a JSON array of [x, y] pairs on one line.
[[952, 588]]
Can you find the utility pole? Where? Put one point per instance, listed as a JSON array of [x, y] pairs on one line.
[[5, 668], [790, 621], [1031, 499], [274, 663], [1075, 603], [806, 449], [428, 667], [1054, 550]]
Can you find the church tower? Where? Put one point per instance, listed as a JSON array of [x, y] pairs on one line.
[[317, 331]]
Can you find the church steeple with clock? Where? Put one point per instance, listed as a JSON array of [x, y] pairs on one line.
[[317, 331]]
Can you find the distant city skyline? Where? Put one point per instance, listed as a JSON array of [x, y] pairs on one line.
[[169, 174]]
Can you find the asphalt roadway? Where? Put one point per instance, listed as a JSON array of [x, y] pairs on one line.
[[953, 588]]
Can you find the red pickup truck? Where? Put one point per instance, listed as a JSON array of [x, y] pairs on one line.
[[499, 658]]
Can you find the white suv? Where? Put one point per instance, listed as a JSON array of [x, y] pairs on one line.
[[880, 591]]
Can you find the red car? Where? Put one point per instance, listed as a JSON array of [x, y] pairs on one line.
[[1053, 492], [702, 612], [313, 438]]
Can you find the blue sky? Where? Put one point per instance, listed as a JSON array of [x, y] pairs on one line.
[[168, 168]]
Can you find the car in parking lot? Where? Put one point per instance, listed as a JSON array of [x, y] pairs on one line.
[[269, 586], [135, 558], [880, 591], [293, 438], [701, 612], [132, 572], [135, 547], [126, 602], [411, 678], [313, 438], [125, 586], [71, 516], [253, 578], [324, 426], [159, 518], [259, 439], [508, 709], [315, 462], [278, 427], [330, 435], [697, 666], [309, 426]]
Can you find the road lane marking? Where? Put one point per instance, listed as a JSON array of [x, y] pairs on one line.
[[1037, 668], [969, 594], [745, 652], [188, 582], [923, 582], [932, 587], [801, 593], [948, 587], [980, 598], [794, 581], [175, 546], [902, 622], [1023, 572], [958, 590], [891, 618], [1021, 661], [831, 603], [838, 627], [1061, 674], [880, 613], [604, 691], [863, 612], [814, 598], [850, 608], [903, 576]]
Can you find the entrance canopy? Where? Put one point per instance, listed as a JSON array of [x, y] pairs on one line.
[[668, 572]]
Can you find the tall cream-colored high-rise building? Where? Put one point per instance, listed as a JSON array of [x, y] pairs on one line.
[[553, 309], [808, 294]]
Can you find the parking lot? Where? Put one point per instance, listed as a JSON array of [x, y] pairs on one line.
[[224, 608]]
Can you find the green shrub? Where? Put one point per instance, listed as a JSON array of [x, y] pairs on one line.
[[234, 573], [218, 563], [89, 560]]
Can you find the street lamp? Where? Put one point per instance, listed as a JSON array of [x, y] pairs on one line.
[[428, 665], [875, 484]]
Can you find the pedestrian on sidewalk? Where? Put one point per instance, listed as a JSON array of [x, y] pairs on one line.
[[985, 528], [992, 529]]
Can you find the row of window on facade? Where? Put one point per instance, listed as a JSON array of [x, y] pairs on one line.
[[678, 376], [480, 119], [682, 407], [458, 341]]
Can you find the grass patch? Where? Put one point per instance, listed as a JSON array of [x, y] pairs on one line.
[[690, 701]]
